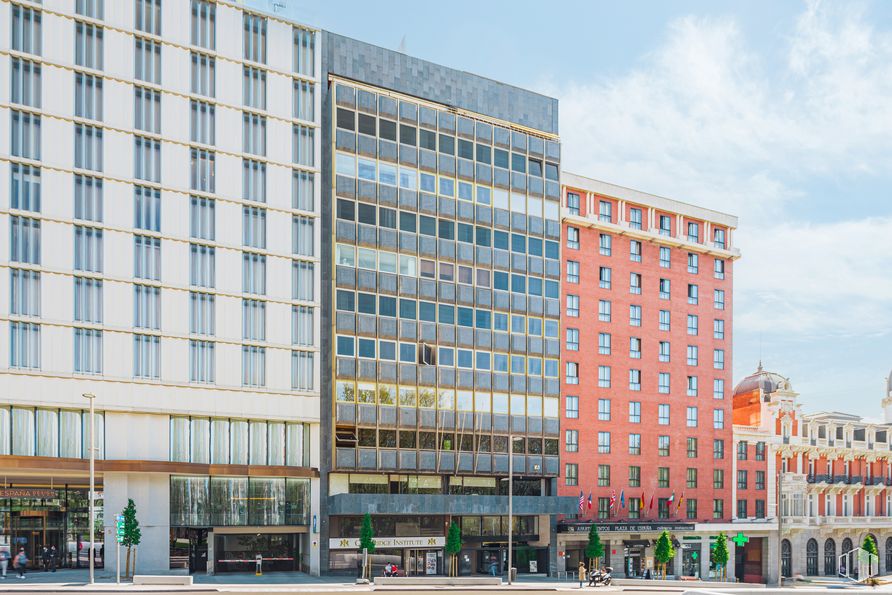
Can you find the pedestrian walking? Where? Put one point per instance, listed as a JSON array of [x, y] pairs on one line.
[[54, 559], [19, 562], [581, 573], [45, 557], [258, 561], [4, 562]]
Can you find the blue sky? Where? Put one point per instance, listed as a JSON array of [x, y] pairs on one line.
[[778, 112]]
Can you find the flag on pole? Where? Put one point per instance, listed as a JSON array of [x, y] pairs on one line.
[[651, 505], [589, 500], [622, 499], [680, 500], [581, 500], [672, 497], [613, 499]]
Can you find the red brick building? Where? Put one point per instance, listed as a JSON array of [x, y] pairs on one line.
[[646, 387]]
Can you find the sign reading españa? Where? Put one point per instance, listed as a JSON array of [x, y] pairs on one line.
[[352, 543]]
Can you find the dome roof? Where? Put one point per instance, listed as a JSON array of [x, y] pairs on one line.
[[768, 382]]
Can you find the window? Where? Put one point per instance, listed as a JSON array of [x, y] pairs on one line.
[[603, 476], [693, 263], [634, 444], [253, 320], [603, 310], [571, 407], [604, 409], [572, 373], [148, 16], [691, 478], [201, 265], [693, 324], [719, 268], [203, 165], [692, 417], [25, 82], [573, 305], [147, 159], [201, 123], [87, 351], [87, 147], [147, 258], [201, 216], [253, 180], [604, 442], [692, 448], [718, 419], [302, 370], [664, 321], [24, 344], [24, 234], [718, 388], [760, 480], [604, 376], [718, 449], [605, 211], [718, 299], [254, 38], [304, 95], [253, 365], [572, 271], [691, 511], [718, 237], [665, 257], [634, 315], [634, 412], [693, 232], [663, 413], [147, 60], [302, 281], [718, 479], [573, 203], [88, 45], [663, 383], [604, 274], [87, 249], [760, 451], [603, 508], [571, 474], [693, 353], [635, 380], [88, 300], [718, 508], [635, 283], [204, 17], [742, 450], [662, 477], [201, 361], [693, 294], [664, 355], [304, 51], [665, 289], [718, 359], [718, 329], [634, 480], [253, 134], [146, 356], [573, 238], [253, 273], [741, 479], [24, 187], [26, 30], [605, 244], [254, 87], [692, 386], [634, 348], [635, 251], [572, 339], [760, 509], [571, 440], [604, 343], [254, 227], [25, 135], [24, 294], [203, 74], [202, 313], [303, 235], [303, 145]]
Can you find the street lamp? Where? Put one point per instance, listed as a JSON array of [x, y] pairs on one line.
[[91, 397]]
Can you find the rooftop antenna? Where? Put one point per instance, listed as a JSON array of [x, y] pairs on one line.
[[760, 351], [402, 47]]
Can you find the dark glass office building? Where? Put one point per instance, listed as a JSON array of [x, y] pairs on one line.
[[441, 201]]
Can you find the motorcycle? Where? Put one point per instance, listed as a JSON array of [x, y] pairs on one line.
[[600, 577]]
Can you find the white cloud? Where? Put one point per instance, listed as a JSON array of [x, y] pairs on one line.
[[707, 119]]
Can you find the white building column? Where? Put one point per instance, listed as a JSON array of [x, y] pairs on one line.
[[730, 571], [150, 493], [704, 558]]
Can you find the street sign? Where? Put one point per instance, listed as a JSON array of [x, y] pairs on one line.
[[119, 528]]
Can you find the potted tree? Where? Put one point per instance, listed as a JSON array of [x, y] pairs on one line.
[[594, 549], [132, 536], [720, 555], [453, 547], [367, 542], [664, 551]]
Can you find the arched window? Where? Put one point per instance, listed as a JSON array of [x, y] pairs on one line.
[[786, 558], [845, 563], [811, 557], [830, 558], [888, 555]]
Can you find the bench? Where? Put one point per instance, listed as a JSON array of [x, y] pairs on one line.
[[452, 581], [162, 579]]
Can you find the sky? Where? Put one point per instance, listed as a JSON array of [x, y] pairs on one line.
[[777, 112]]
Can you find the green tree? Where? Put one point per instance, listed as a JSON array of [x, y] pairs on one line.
[[367, 539], [132, 535], [664, 551], [720, 554], [594, 549], [453, 547], [869, 545]]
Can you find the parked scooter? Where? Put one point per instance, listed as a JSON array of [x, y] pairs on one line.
[[600, 577]]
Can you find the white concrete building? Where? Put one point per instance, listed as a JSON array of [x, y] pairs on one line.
[[159, 188]]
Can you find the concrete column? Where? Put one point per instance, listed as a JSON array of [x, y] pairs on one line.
[[770, 558], [797, 561], [314, 549], [732, 565], [677, 562], [704, 558], [151, 494]]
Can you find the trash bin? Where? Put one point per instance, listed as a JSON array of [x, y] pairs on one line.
[[513, 574]]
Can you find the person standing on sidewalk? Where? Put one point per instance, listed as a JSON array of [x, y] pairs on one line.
[[581, 573], [4, 562], [53, 558], [19, 562]]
